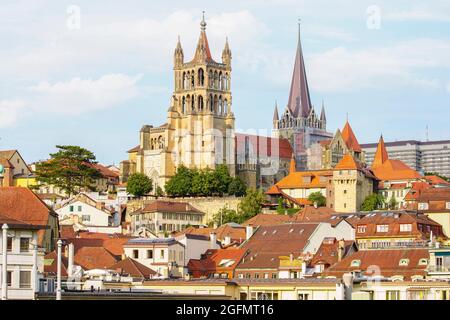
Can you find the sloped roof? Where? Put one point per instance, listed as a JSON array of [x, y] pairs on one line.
[[263, 146], [435, 180], [268, 243], [7, 154], [388, 262], [237, 234], [435, 194], [327, 253], [381, 155], [267, 220], [350, 139], [168, 206], [6, 163], [296, 180], [135, 149], [94, 258], [133, 268], [50, 264], [395, 170], [214, 260], [348, 163]]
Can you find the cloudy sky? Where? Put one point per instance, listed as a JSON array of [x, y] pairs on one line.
[[91, 74]]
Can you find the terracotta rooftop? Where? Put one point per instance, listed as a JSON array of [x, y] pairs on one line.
[[94, 258], [267, 220], [237, 234], [216, 260], [133, 268], [350, 139]]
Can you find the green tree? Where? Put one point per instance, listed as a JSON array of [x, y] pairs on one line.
[[373, 202], [226, 215], [237, 187], [180, 185], [139, 184], [222, 179], [159, 191], [71, 169], [392, 203], [251, 204], [318, 198]]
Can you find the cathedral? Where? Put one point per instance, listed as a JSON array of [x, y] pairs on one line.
[[199, 132], [299, 122]]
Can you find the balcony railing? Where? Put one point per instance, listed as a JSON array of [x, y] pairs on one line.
[[438, 269]]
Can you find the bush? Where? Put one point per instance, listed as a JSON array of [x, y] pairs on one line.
[[139, 184], [237, 187], [318, 198]]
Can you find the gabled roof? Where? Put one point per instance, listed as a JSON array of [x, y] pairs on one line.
[[94, 258], [133, 268], [51, 264], [350, 139], [348, 163], [267, 220], [299, 99], [328, 252], [216, 260], [7, 154], [304, 179], [395, 170], [436, 180], [237, 234]]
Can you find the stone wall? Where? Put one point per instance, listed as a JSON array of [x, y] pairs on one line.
[[209, 205]]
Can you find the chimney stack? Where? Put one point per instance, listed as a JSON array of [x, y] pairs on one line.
[[291, 257], [341, 249], [212, 240], [347, 279], [248, 231]]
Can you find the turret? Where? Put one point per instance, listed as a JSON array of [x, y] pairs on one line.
[[178, 56], [226, 54]]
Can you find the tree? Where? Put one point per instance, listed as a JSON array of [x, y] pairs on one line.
[[373, 202], [393, 203], [251, 204], [180, 185], [71, 169], [237, 187], [318, 198], [139, 184], [159, 191], [222, 179], [226, 215]]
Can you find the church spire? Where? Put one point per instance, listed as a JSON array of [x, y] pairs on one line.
[[292, 166], [381, 154], [226, 53], [178, 55], [323, 117], [275, 113], [299, 98], [203, 53]]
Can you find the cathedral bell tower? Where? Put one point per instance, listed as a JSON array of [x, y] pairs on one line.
[[200, 117]]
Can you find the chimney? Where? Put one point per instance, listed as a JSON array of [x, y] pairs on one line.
[[212, 240], [341, 249], [315, 204], [291, 257], [347, 278], [303, 268], [227, 240], [248, 232], [71, 258]]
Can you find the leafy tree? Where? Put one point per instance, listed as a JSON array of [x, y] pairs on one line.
[[159, 191], [318, 198], [180, 185], [237, 187], [392, 203], [139, 184], [226, 215], [71, 169], [222, 179], [251, 204], [373, 202]]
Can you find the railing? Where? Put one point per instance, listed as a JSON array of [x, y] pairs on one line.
[[438, 269]]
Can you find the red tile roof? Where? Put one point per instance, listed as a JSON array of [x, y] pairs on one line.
[[435, 180], [386, 261], [94, 258], [50, 264], [133, 268], [263, 146], [381, 155], [267, 220], [216, 261], [350, 139], [237, 234], [328, 254]]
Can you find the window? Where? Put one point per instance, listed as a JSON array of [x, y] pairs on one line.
[[9, 244], [447, 205], [423, 206], [362, 229], [382, 228], [303, 296], [274, 275], [240, 276], [71, 208], [136, 254], [392, 295], [25, 279], [355, 263], [161, 254], [24, 244], [86, 217], [266, 276], [405, 227], [423, 262], [9, 278], [345, 191], [79, 208], [403, 262], [256, 275], [149, 254]]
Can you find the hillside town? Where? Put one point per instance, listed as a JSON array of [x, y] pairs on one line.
[[199, 211]]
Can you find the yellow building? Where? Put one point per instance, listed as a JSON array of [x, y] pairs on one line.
[[200, 123]]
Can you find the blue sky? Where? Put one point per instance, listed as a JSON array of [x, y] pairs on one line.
[[94, 79]]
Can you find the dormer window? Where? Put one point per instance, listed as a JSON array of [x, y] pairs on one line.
[[423, 262], [403, 262], [362, 229], [382, 228], [405, 227], [355, 263]]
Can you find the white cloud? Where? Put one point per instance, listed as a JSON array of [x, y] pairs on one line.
[[10, 111], [83, 95]]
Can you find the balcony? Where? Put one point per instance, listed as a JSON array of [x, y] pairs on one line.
[[438, 269]]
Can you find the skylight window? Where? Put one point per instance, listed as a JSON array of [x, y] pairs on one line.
[[403, 262], [355, 263], [423, 262]]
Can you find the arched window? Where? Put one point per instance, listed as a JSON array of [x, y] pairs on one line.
[[225, 106], [184, 81], [220, 105], [201, 77], [216, 102], [211, 103], [160, 142], [193, 103], [183, 105], [211, 79], [188, 102], [220, 81], [200, 103], [216, 80], [192, 79], [227, 81]]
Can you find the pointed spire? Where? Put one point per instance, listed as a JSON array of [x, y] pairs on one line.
[[350, 139], [178, 54], [381, 155], [299, 98], [275, 112], [323, 117], [226, 53], [292, 166], [203, 53]]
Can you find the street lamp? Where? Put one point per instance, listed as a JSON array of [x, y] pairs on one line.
[[58, 274]]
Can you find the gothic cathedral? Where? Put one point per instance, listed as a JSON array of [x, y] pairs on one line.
[[200, 122]]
